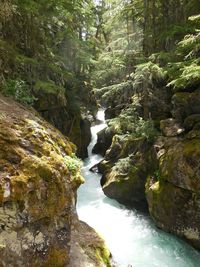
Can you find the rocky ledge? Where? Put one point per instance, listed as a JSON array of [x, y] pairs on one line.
[[39, 176]]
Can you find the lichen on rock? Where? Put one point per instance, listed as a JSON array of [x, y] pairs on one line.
[[174, 196], [39, 176]]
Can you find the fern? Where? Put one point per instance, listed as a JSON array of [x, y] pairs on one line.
[[190, 77]]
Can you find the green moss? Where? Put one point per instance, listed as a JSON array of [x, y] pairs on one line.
[[48, 87], [191, 146], [73, 164], [103, 255]]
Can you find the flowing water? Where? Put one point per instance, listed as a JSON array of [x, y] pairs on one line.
[[130, 235]]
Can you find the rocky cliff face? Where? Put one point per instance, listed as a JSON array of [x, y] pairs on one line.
[[39, 176], [56, 108], [174, 195], [163, 170]]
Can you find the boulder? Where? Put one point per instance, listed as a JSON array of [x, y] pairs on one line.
[[185, 104], [171, 127], [125, 170], [112, 112], [156, 104], [175, 210], [39, 177], [85, 137], [87, 248], [104, 140], [54, 106], [191, 120], [180, 165], [173, 191]]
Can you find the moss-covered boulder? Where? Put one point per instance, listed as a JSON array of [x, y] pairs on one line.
[[173, 191], [125, 169], [87, 248], [175, 210], [39, 176], [180, 165], [171, 127], [191, 120], [185, 104]]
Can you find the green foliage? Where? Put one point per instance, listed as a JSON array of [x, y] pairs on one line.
[[190, 77], [19, 90], [163, 58], [122, 166], [128, 122], [148, 75], [109, 69], [189, 46], [49, 87], [114, 93], [185, 74], [145, 128], [157, 175], [73, 164], [45, 43]]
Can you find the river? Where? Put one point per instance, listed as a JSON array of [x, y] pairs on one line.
[[130, 235]]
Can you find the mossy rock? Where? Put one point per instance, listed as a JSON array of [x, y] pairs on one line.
[[180, 165], [191, 120], [175, 210], [88, 248], [37, 189], [124, 177], [185, 104]]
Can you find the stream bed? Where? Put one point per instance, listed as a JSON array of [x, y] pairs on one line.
[[130, 235]]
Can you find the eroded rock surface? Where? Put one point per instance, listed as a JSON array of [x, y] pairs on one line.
[[39, 176], [125, 168], [174, 195]]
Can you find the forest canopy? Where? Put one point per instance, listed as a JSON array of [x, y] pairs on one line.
[[51, 44]]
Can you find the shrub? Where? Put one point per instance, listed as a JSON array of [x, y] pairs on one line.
[[189, 77], [122, 166], [19, 90], [128, 122], [73, 164]]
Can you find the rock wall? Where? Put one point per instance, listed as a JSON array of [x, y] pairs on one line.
[[39, 176], [174, 195], [58, 109], [163, 173]]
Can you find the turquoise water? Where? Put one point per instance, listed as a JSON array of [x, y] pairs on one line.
[[130, 235]]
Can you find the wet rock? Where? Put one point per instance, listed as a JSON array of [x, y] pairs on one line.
[[112, 112], [85, 138], [173, 194], [104, 140], [171, 127], [175, 210], [87, 248]]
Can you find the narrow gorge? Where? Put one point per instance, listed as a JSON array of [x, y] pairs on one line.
[[99, 133], [130, 234]]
